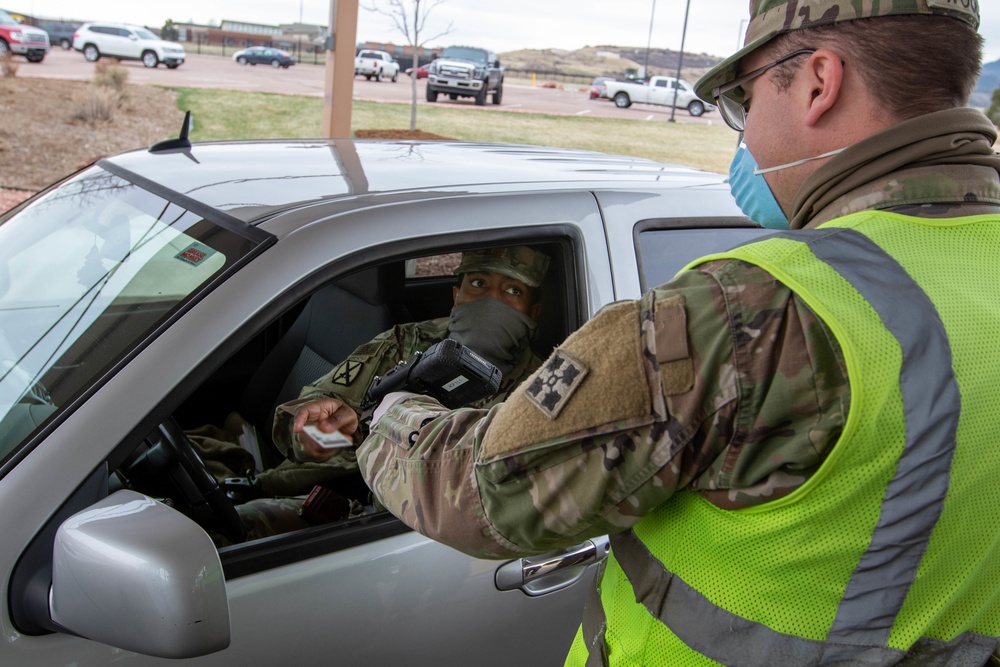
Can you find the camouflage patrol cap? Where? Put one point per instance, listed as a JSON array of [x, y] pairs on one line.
[[518, 262], [770, 18]]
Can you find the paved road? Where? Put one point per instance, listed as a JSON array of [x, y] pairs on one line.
[[203, 71]]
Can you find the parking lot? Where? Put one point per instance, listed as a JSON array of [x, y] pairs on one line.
[[204, 71]]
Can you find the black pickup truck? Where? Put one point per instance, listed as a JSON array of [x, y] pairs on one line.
[[465, 71]]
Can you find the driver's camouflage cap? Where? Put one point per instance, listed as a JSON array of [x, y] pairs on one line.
[[770, 18], [518, 262]]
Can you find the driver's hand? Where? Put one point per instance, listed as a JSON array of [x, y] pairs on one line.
[[328, 415]]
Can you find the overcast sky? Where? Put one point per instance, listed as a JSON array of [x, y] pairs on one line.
[[714, 26]]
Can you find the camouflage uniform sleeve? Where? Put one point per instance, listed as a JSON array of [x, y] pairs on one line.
[[721, 383], [348, 381]]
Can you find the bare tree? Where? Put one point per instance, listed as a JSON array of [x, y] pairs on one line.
[[410, 18]]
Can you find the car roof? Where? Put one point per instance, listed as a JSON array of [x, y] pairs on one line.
[[252, 180]]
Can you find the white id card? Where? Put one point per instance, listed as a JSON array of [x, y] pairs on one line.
[[328, 440]]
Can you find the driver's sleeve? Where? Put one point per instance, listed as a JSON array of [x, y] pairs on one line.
[[707, 384]]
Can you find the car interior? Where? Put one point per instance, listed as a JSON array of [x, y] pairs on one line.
[[306, 341]]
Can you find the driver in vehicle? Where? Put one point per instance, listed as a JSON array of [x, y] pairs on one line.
[[496, 306]]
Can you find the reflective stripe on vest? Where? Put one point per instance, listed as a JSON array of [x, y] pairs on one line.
[[910, 509]]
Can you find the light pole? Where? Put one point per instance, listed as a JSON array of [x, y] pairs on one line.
[[680, 60], [649, 42], [739, 36]]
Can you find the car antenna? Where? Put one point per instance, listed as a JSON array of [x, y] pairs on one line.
[[182, 142]]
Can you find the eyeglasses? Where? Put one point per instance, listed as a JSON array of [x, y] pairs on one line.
[[730, 98]]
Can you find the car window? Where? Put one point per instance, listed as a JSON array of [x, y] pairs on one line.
[[87, 273], [465, 53], [145, 34], [664, 252]]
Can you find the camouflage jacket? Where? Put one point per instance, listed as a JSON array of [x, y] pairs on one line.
[[745, 396]]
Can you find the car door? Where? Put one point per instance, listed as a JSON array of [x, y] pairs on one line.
[[649, 242], [127, 44], [659, 91], [368, 592]]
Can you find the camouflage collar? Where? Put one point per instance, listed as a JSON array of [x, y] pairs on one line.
[[946, 157]]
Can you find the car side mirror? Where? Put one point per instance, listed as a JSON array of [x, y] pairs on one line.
[[131, 572], [496, 63]]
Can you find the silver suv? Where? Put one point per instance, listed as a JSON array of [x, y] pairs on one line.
[[127, 42]]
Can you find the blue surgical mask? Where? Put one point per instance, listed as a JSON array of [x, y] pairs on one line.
[[752, 193]]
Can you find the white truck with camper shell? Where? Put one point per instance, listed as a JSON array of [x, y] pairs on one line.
[[660, 90]]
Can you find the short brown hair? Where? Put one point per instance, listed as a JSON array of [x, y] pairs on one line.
[[899, 59]]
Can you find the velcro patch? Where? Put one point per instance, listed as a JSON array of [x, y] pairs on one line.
[[555, 383], [672, 353]]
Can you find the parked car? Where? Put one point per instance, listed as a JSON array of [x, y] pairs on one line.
[[164, 288], [421, 72], [22, 40], [264, 55], [466, 71], [599, 88], [660, 90], [376, 65], [126, 42], [60, 32]]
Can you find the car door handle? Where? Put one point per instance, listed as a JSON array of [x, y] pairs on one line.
[[539, 575]]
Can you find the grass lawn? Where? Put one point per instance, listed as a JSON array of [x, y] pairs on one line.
[[220, 114]]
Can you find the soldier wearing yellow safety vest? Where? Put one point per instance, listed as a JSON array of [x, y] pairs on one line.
[[792, 444]]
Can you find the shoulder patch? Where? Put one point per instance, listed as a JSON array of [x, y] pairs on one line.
[[347, 372], [594, 379], [555, 383]]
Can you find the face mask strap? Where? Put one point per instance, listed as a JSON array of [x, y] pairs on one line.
[[758, 171]]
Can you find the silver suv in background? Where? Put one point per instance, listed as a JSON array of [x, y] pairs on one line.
[[127, 42]]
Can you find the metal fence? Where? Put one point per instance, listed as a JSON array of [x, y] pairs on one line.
[[304, 52], [548, 75]]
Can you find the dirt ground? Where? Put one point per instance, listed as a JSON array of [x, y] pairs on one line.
[[41, 140]]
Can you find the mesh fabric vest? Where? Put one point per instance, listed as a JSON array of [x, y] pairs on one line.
[[895, 541]]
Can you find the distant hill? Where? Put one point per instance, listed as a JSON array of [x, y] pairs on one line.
[[614, 61], [989, 80]]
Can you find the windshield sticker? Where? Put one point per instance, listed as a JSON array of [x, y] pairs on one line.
[[195, 254]]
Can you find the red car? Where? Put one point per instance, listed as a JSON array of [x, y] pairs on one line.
[[598, 89], [421, 72]]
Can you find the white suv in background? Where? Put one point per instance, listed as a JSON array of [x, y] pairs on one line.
[[127, 42]]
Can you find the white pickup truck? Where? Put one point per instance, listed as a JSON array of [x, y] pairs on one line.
[[376, 65], [659, 90]]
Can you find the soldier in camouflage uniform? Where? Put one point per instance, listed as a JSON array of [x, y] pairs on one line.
[[496, 306], [706, 424]]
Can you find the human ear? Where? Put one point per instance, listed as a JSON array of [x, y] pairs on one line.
[[535, 311], [824, 72]]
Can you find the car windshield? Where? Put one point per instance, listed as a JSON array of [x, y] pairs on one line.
[[6, 18], [88, 274], [145, 34], [465, 53]]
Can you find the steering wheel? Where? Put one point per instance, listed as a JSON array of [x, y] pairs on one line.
[[13, 378], [177, 443]]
